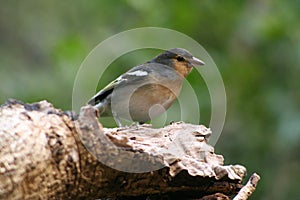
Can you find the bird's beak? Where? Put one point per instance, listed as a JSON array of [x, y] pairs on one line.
[[196, 62]]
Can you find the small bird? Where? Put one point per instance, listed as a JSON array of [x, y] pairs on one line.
[[147, 90]]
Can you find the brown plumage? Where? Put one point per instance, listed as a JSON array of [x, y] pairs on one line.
[[146, 90]]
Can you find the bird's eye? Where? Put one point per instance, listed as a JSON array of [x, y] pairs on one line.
[[180, 58]]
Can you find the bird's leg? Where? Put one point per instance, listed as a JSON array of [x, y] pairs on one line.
[[137, 124], [117, 119]]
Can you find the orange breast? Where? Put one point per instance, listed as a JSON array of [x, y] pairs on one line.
[[150, 100]]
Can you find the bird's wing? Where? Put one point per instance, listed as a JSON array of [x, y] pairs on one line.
[[102, 94], [134, 74]]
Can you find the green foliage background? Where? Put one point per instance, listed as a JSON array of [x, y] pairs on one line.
[[255, 44]]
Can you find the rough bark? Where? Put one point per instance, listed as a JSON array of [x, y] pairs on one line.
[[46, 153], [249, 188]]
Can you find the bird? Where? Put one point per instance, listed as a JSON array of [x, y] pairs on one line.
[[146, 90]]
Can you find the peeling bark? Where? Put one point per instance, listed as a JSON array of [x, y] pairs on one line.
[[46, 153]]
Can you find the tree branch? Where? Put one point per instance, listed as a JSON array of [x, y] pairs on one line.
[[248, 189], [46, 153]]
